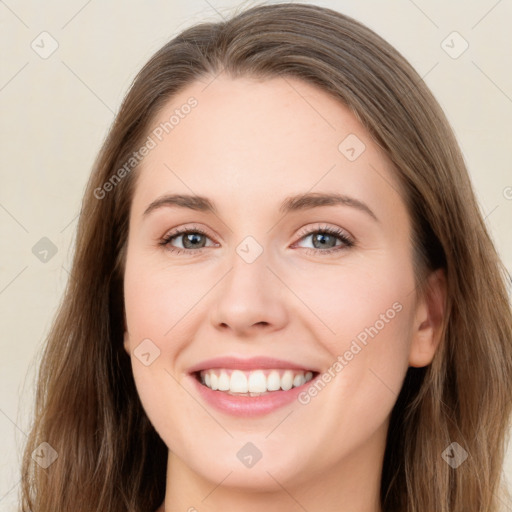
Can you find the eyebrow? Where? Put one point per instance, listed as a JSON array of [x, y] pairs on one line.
[[290, 204]]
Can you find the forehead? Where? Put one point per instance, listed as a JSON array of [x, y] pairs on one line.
[[256, 141]]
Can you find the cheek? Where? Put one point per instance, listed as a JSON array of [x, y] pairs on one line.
[[364, 311], [370, 314], [155, 303], [157, 299], [363, 298]]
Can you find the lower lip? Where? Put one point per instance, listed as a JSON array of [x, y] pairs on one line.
[[248, 406]]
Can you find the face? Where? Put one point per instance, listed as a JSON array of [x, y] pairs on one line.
[[295, 269]]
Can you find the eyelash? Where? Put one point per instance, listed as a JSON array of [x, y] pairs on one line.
[[341, 235]]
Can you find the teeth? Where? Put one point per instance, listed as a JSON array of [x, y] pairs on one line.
[[253, 382], [223, 382], [238, 382], [287, 380], [273, 381], [298, 380], [257, 382], [213, 381]]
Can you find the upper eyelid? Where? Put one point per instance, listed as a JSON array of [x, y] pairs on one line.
[[184, 231], [309, 230], [302, 232]]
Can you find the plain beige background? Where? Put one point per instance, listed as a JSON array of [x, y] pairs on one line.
[[56, 110]]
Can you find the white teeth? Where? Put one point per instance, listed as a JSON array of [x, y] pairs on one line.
[[253, 382], [273, 381], [257, 382], [287, 380], [298, 380], [223, 382], [238, 382], [213, 381]]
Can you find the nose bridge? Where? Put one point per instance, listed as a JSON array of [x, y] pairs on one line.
[[249, 294], [248, 279]]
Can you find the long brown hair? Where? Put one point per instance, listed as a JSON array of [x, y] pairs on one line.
[[109, 456]]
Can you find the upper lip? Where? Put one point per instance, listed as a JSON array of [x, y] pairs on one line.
[[253, 363]]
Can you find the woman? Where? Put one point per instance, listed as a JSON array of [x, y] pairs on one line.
[[283, 297]]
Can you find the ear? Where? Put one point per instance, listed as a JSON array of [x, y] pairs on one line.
[[126, 336], [126, 342], [428, 320]]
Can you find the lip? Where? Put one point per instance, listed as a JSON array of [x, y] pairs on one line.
[[253, 363], [246, 406]]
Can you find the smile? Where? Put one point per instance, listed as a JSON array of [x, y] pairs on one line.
[[254, 382], [249, 387]]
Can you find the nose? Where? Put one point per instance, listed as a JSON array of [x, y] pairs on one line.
[[250, 299]]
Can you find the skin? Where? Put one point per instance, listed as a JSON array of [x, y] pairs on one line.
[[247, 146]]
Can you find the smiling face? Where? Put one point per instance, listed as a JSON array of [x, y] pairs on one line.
[[325, 285]]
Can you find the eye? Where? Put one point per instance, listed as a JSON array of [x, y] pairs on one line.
[[192, 240], [324, 240]]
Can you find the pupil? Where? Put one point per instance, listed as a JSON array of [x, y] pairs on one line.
[[321, 239], [192, 239]]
